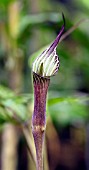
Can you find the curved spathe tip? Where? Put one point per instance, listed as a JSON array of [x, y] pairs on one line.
[[47, 64]]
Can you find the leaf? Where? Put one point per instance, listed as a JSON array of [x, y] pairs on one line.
[[69, 109], [13, 108], [33, 20], [80, 100], [5, 92]]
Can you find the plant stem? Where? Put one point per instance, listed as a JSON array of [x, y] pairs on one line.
[[39, 116], [28, 138]]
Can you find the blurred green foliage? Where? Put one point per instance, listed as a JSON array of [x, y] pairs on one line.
[[64, 110], [13, 108]]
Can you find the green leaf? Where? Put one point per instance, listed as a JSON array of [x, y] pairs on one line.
[[6, 93], [13, 108], [80, 100], [69, 109], [37, 19]]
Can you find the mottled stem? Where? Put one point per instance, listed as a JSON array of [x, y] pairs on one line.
[[39, 116]]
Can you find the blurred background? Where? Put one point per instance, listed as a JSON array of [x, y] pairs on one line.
[[26, 27]]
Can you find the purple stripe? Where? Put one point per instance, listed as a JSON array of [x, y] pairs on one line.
[[56, 41]]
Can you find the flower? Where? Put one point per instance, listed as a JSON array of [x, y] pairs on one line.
[[47, 64]]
